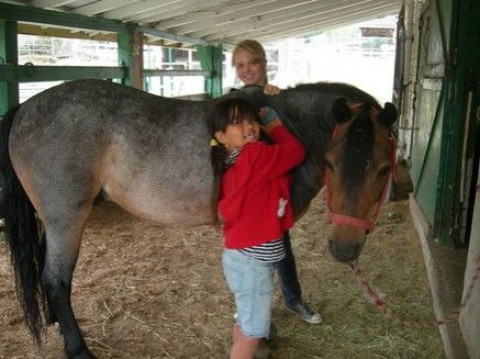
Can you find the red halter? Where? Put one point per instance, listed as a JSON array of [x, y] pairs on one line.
[[367, 224]]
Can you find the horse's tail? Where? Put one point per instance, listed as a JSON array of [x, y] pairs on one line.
[[27, 247]]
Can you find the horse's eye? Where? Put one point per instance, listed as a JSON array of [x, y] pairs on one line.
[[385, 170]]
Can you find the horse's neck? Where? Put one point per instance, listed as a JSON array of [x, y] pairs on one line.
[[311, 121], [308, 115]]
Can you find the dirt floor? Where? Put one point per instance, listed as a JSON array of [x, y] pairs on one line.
[[143, 290]]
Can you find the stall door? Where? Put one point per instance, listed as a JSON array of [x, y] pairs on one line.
[[431, 97]]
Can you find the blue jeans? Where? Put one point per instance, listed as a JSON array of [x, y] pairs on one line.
[[287, 273], [251, 281]]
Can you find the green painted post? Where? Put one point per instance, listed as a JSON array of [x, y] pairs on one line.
[[126, 55], [8, 55], [211, 59]]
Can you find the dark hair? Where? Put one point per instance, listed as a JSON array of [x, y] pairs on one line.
[[226, 112]]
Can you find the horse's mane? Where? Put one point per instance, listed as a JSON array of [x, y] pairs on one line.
[[359, 151], [342, 89], [324, 85]]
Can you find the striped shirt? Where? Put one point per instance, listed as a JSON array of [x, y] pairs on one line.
[[270, 252]]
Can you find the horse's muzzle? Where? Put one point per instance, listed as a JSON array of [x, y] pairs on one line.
[[345, 253]]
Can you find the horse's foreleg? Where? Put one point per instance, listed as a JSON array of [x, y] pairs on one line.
[[63, 242]]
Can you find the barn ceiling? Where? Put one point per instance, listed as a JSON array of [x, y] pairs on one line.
[[186, 22]]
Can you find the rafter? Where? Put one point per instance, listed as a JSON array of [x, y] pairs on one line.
[[50, 4], [227, 11], [314, 24], [102, 6], [293, 14], [143, 8], [206, 21]]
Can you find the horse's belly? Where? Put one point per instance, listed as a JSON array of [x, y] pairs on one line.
[[169, 204], [191, 213]]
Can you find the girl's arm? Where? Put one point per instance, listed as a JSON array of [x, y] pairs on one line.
[[287, 152], [269, 119]]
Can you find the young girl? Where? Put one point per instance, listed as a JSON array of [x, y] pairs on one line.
[[251, 195], [250, 62]]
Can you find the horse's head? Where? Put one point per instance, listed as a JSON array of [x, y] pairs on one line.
[[360, 161]]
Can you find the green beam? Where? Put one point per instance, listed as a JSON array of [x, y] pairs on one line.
[[41, 16], [126, 55], [30, 73], [8, 54], [211, 59]]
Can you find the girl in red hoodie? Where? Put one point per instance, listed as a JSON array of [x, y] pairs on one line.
[[252, 198]]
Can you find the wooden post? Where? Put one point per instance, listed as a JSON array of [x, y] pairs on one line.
[[130, 55]]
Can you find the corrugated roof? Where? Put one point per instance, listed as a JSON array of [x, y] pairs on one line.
[[230, 21]]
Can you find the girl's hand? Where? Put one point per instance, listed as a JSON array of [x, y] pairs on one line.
[[267, 115], [269, 119], [271, 90]]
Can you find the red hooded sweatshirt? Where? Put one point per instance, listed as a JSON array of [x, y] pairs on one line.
[[252, 189]]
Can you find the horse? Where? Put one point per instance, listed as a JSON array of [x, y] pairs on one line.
[[66, 146]]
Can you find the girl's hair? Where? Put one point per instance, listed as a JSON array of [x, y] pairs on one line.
[[255, 49], [226, 112]]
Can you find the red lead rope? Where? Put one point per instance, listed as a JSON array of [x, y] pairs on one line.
[[378, 300], [351, 221]]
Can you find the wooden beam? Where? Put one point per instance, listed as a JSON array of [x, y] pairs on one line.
[[50, 3], [138, 60], [40, 16], [152, 72], [293, 15], [30, 29], [175, 9], [333, 24], [225, 12], [264, 13], [99, 7], [171, 36], [134, 9]]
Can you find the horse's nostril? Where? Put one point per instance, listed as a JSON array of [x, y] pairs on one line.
[[342, 252]]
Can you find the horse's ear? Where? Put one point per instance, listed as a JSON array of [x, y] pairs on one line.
[[388, 115], [341, 111]]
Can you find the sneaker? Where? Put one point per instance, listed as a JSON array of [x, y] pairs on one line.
[[307, 314]]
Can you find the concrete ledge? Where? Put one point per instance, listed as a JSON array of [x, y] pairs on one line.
[[445, 268]]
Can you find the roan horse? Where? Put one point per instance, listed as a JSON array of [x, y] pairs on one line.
[[150, 155]]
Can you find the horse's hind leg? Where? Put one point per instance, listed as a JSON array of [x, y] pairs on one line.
[[63, 243], [51, 317]]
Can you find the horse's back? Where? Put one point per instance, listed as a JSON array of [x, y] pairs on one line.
[[148, 153]]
